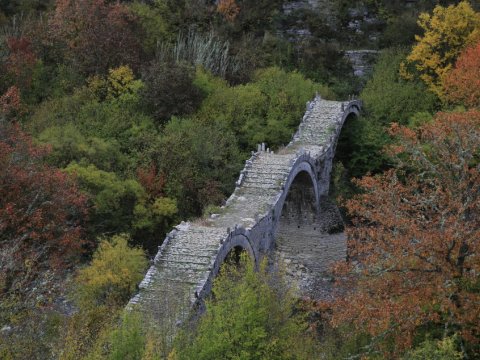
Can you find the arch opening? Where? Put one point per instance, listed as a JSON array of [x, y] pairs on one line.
[[233, 263], [232, 252], [300, 206], [234, 255]]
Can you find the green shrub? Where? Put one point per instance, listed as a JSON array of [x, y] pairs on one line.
[[69, 144], [200, 163], [251, 316], [112, 276], [155, 22], [445, 349], [268, 109], [170, 90], [389, 98], [127, 341], [114, 199]]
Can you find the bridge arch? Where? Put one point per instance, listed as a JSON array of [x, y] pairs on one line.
[[300, 200], [239, 239]]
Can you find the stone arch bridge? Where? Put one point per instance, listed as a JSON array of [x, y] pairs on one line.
[[280, 201]]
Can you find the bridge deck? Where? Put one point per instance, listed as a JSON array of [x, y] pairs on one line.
[[192, 253]]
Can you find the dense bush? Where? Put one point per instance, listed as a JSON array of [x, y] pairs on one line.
[[199, 163], [388, 97], [251, 316], [169, 90], [100, 134], [41, 213], [268, 109], [96, 36], [112, 276]]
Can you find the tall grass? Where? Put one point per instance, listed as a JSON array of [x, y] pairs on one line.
[[199, 49]]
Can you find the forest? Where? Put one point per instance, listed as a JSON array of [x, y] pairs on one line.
[[120, 119]]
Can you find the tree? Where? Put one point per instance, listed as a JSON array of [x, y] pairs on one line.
[[113, 275], [41, 212], [251, 316], [156, 22], [414, 250], [388, 97], [200, 163], [462, 83], [169, 90], [10, 102], [97, 34], [20, 61], [229, 9], [446, 33], [268, 109]]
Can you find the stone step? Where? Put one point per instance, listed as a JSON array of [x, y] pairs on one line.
[[261, 186], [269, 167], [199, 252], [186, 259], [268, 171], [180, 277], [263, 181]]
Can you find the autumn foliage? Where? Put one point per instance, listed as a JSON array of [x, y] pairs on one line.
[[21, 60], [229, 9], [446, 33], [40, 212], [10, 102], [414, 249], [98, 35], [462, 84]]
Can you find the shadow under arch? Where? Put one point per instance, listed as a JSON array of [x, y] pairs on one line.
[[300, 206], [343, 145]]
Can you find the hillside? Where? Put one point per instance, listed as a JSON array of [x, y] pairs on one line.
[[120, 120]]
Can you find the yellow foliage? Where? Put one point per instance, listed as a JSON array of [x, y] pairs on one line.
[[119, 80], [164, 206], [84, 331], [152, 349], [97, 87], [113, 274], [446, 33], [173, 355]]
